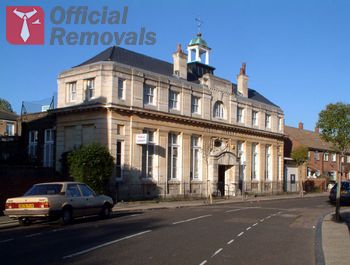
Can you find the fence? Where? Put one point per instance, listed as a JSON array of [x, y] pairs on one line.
[[193, 190]]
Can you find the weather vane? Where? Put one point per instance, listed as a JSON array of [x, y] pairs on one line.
[[199, 24]]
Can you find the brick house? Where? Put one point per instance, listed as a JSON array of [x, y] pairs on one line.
[[173, 128], [8, 123], [323, 160]]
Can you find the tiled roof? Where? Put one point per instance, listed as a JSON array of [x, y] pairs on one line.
[[138, 60], [10, 116], [307, 138]]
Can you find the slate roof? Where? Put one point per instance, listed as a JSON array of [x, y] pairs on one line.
[[9, 116], [138, 60], [307, 138], [124, 56]]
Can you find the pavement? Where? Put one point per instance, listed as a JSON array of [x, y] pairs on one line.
[[332, 237]]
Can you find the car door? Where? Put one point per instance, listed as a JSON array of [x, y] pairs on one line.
[[93, 204], [76, 200]]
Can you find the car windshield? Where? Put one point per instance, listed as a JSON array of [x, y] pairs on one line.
[[44, 189]]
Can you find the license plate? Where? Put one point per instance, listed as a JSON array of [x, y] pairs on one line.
[[26, 205]]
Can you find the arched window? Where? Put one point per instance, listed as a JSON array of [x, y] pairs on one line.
[[219, 111]]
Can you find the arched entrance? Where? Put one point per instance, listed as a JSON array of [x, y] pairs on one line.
[[224, 173]]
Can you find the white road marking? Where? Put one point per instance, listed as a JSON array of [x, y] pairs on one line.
[[262, 220], [274, 214], [255, 224], [32, 235], [233, 210], [104, 245], [6, 240], [134, 214], [203, 262], [230, 242], [279, 212], [268, 217], [248, 228], [57, 230], [191, 219], [241, 233], [217, 252]]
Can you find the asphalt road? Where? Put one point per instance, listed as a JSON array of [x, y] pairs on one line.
[[280, 232]]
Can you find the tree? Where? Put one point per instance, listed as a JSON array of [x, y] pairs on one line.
[[5, 105], [334, 123], [299, 155], [93, 165]]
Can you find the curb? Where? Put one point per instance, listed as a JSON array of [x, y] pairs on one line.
[[319, 255]]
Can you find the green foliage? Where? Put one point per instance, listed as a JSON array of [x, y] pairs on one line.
[[334, 123], [299, 155], [5, 105], [93, 165]]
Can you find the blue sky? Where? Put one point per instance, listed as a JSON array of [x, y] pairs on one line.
[[297, 52]]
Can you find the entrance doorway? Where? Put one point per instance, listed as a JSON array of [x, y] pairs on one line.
[[221, 180]]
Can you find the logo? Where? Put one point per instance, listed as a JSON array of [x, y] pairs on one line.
[[25, 25]]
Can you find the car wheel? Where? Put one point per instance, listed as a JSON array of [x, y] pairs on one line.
[[105, 211], [24, 221], [67, 216]]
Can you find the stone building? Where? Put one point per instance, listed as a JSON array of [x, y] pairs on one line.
[[174, 129]]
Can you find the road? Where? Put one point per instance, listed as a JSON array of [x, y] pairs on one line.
[[280, 232]]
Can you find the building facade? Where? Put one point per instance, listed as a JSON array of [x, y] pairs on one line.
[[174, 129], [323, 159]]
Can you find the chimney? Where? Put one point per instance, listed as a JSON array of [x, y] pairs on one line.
[[242, 82], [301, 126], [317, 130], [180, 63]]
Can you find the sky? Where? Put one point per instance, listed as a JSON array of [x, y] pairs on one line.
[[297, 52]]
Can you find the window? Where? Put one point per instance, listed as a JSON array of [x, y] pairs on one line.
[[90, 88], [308, 155], [121, 88], [173, 156], [219, 110], [268, 121], [268, 164], [280, 121], [148, 95], [147, 155], [325, 156], [195, 157], [10, 129], [348, 159], [255, 163], [73, 190], [173, 100], [49, 148], [33, 143], [240, 115], [120, 129], [334, 157], [342, 159], [316, 156], [241, 156], [86, 191], [118, 160], [195, 105], [255, 118], [72, 91]]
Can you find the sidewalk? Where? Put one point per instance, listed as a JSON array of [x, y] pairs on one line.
[[336, 238]]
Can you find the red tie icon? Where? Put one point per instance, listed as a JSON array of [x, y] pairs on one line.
[[25, 25], [25, 34]]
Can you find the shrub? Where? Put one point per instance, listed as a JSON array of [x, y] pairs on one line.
[[93, 165]]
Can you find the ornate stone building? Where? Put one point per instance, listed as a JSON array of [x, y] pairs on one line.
[[173, 128]]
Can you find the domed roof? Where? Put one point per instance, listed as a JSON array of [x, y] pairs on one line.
[[198, 41]]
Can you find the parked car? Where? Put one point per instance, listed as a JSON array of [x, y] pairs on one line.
[[58, 200], [344, 192]]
